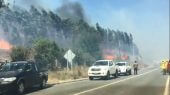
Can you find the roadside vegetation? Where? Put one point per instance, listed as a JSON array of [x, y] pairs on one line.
[[19, 53], [45, 53], [65, 75]]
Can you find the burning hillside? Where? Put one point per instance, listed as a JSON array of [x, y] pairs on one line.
[[4, 45], [111, 54], [68, 27]]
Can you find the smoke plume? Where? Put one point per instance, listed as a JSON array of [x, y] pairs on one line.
[[73, 10]]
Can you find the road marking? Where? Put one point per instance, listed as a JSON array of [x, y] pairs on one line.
[[93, 89], [167, 87]]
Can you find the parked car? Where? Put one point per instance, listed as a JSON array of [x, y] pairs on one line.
[[103, 69], [124, 68], [17, 76]]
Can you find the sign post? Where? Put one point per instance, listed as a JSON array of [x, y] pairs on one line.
[[69, 56]]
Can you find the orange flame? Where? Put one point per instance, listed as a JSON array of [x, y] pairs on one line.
[[5, 45], [109, 57], [125, 57], [109, 54]]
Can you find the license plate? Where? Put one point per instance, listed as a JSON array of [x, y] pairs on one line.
[[96, 73]]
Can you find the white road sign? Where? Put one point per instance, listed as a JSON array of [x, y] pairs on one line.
[[69, 56]]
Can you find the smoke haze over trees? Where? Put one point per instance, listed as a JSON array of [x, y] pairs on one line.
[[72, 10], [68, 27]]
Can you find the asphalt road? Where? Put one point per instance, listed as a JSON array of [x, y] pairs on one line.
[[149, 81]]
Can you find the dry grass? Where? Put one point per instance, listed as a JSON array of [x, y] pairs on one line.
[[65, 75]]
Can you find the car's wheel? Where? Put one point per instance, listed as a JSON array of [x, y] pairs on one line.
[[90, 78], [43, 83], [107, 76], [126, 73], [116, 74], [130, 72], [20, 88]]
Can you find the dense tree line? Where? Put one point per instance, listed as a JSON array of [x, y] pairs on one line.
[[1, 3], [23, 27]]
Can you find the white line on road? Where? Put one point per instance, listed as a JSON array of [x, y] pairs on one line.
[[167, 87], [113, 83]]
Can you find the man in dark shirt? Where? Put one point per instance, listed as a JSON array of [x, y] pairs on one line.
[[135, 66]]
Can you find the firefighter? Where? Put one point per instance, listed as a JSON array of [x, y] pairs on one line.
[[135, 66], [168, 67]]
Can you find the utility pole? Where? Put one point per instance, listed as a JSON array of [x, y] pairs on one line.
[[14, 3], [119, 43], [67, 63], [107, 39], [133, 51], [119, 48]]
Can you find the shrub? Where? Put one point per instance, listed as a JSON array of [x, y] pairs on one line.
[[20, 53]]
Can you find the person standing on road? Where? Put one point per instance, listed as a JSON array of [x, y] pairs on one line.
[[168, 67], [135, 66]]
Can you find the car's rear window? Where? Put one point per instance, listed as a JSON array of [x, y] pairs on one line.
[[120, 64], [101, 63]]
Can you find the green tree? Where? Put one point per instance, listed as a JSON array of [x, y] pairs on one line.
[[1, 3], [20, 53], [46, 52], [83, 58]]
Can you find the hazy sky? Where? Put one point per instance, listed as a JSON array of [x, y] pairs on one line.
[[147, 20]]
